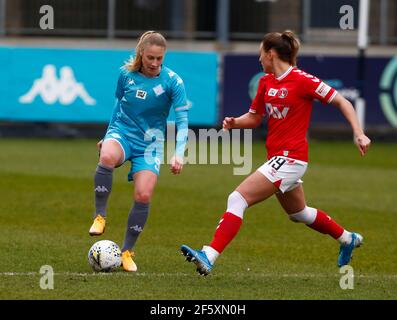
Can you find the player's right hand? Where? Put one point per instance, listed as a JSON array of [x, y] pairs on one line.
[[228, 123], [362, 142], [176, 164]]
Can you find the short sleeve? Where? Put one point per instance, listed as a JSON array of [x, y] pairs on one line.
[[120, 84], [258, 104], [318, 89], [178, 94]]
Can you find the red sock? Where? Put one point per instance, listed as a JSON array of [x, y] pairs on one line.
[[326, 225], [226, 231]]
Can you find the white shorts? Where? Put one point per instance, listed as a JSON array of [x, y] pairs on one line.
[[285, 173]]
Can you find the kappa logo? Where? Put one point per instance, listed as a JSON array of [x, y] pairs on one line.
[[101, 189], [64, 90], [136, 228], [140, 94]]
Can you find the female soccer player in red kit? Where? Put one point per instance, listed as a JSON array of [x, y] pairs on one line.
[[285, 96]]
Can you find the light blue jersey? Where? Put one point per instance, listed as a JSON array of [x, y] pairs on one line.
[[140, 115]]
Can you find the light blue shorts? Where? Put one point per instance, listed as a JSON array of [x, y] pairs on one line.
[[141, 154]]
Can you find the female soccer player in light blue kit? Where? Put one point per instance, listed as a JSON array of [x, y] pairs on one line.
[[146, 91]]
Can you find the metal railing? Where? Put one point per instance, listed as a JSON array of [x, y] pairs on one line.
[[222, 20]]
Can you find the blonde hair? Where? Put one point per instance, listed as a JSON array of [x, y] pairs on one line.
[[286, 45], [148, 38]]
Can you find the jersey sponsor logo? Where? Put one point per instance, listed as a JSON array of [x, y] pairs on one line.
[[323, 89], [276, 111], [272, 92], [282, 93], [158, 90], [140, 94], [52, 89]]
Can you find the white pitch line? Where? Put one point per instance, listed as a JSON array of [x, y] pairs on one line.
[[94, 274], [145, 274], [76, 274]]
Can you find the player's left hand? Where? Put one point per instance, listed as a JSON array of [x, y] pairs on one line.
[[362, 142], [176, 164]]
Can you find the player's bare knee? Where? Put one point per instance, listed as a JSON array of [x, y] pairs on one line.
[[108, 160], [143, 196]]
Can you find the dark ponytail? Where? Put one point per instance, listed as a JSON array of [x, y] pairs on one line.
[[286, 45]]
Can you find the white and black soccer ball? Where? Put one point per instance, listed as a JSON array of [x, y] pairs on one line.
[[104, 255]]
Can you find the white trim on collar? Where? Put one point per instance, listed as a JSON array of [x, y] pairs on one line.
[[285, 73]]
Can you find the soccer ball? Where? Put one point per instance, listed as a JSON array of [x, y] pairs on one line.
[[104, 255]]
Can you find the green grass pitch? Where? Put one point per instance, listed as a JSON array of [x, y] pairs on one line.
[[46, 207]]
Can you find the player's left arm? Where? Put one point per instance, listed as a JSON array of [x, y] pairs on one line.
[[360, 139], [181, 107]]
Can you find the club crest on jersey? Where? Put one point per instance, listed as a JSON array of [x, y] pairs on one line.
[[140, 94], [272, 92], [282, 93], [158, 90]]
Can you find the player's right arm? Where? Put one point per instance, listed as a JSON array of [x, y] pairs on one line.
[[116, 107], [246, 121], [119, 94]]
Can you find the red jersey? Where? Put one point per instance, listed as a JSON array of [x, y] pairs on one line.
[[287, 101]]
